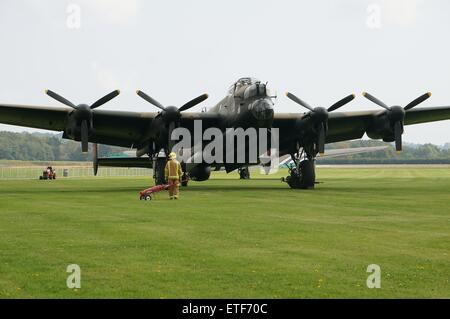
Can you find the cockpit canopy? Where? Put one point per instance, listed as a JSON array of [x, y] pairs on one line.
[[248, 87], [241, 83]]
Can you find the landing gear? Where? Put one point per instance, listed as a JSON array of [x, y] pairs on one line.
[[159, 163], [302, 175], [244, 173]]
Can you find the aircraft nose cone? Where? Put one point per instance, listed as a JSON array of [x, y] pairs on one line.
[[83, 111], [262, 110], [397, 113], [171, 113], [320, 114]]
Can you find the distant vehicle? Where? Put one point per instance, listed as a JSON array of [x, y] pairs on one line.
[[48, 173]]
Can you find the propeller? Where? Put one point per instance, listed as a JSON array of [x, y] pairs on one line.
[[83, 114], [319, 116], [171, 114], [396, 115]]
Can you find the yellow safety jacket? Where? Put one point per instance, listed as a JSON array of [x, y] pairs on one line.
[[173, 170]]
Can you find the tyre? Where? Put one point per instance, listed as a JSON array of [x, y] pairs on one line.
[[244, 173], [304, 178], [307, 174], [148, 197]]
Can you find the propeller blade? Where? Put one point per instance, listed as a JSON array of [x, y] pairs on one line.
[[170, 142], [398, 136], [95, 158], [375, 100], [341, 103], [59, 98], [84, 136], [150, 100], [299, 101], [417, 101], [321, 139], [193, 102], [106, 98]]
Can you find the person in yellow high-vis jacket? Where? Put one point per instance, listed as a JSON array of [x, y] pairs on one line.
[[173, 174]]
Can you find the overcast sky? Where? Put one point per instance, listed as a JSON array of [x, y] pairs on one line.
[[176, 50]]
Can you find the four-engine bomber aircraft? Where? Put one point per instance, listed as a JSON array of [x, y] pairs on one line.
[[247, 104]]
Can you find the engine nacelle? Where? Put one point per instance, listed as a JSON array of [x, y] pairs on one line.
[[381, 128], [200, 173]]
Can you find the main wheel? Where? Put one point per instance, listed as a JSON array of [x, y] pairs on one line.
[[307, 174], [244, 173], [304, 177]]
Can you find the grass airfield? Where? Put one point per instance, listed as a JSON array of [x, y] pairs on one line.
[[230, 238]]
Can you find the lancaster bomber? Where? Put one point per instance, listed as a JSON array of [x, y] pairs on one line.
[[248, 104]]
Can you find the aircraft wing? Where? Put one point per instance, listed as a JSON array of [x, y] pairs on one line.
[[344, 126], [429, 114], [120, 128], [48, 118], [111, 127], [128, 129], [352, 125]]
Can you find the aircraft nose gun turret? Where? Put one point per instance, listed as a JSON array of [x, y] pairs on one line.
[[256, 90], [263, 112]]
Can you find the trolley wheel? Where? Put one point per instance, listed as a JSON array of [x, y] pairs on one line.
[[148, 197]]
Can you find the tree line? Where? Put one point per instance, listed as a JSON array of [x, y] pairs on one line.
[[411, 154], [46, 147]]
